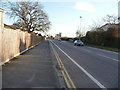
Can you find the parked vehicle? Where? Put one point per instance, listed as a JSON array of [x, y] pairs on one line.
[[59, 39], [78, 43]]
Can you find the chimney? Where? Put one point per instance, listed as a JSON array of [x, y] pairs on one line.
[[1, 18]]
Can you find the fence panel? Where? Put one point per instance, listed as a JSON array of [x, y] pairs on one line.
[[13, 42]]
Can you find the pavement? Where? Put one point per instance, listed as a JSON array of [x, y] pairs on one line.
[[33, 69]]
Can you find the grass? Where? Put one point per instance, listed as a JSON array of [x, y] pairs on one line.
[[103, 47]]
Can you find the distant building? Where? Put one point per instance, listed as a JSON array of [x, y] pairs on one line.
[[58, 36], [119, 12]]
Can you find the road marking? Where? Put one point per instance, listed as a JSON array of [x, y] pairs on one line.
[[80, 67], [108, 57], [73, 86], [97, 54], [31, 79], [103, 50], [87, 50], [39, 88], [82, 49], [64, 72]]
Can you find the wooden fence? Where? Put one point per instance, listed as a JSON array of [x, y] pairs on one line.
[[14, 42]]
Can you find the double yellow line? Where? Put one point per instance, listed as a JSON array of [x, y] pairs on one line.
[[64, 72]]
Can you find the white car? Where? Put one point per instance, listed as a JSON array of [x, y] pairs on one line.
[[78, 43]]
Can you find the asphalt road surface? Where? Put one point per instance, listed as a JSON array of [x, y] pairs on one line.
[[88, 67]]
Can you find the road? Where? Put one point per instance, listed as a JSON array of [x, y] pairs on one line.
[[88, 67]]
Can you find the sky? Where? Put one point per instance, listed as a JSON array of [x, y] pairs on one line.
[[65, 14]]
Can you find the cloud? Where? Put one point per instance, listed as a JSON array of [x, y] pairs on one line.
[[103, 1], [43, 0], [84, 6], [62, 0]]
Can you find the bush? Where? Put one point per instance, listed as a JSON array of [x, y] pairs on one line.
[[109, 38]]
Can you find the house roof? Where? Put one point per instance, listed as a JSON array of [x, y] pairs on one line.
[[111, 25], [10, 26], [14, 27], [1, 10]]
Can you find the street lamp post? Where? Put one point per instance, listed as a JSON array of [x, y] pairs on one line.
[[80, 26], [80, 23]]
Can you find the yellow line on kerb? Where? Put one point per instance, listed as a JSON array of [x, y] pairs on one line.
[[64, 72], [73, 86]]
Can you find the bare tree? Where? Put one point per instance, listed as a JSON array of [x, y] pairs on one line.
[[30, 16], [97, 24], [79, 33], [110, 19]]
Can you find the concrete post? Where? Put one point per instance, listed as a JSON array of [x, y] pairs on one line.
[[1, 30], [1, 18]]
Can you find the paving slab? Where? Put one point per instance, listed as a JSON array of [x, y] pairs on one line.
[[33, 69]]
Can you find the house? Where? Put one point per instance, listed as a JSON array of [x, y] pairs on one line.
[[106, 26], [119, 12], [2, 25], [14, 27]]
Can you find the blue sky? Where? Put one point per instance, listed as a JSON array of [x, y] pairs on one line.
[[65, 14]]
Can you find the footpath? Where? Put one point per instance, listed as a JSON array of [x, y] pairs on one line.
[[33, 69]]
